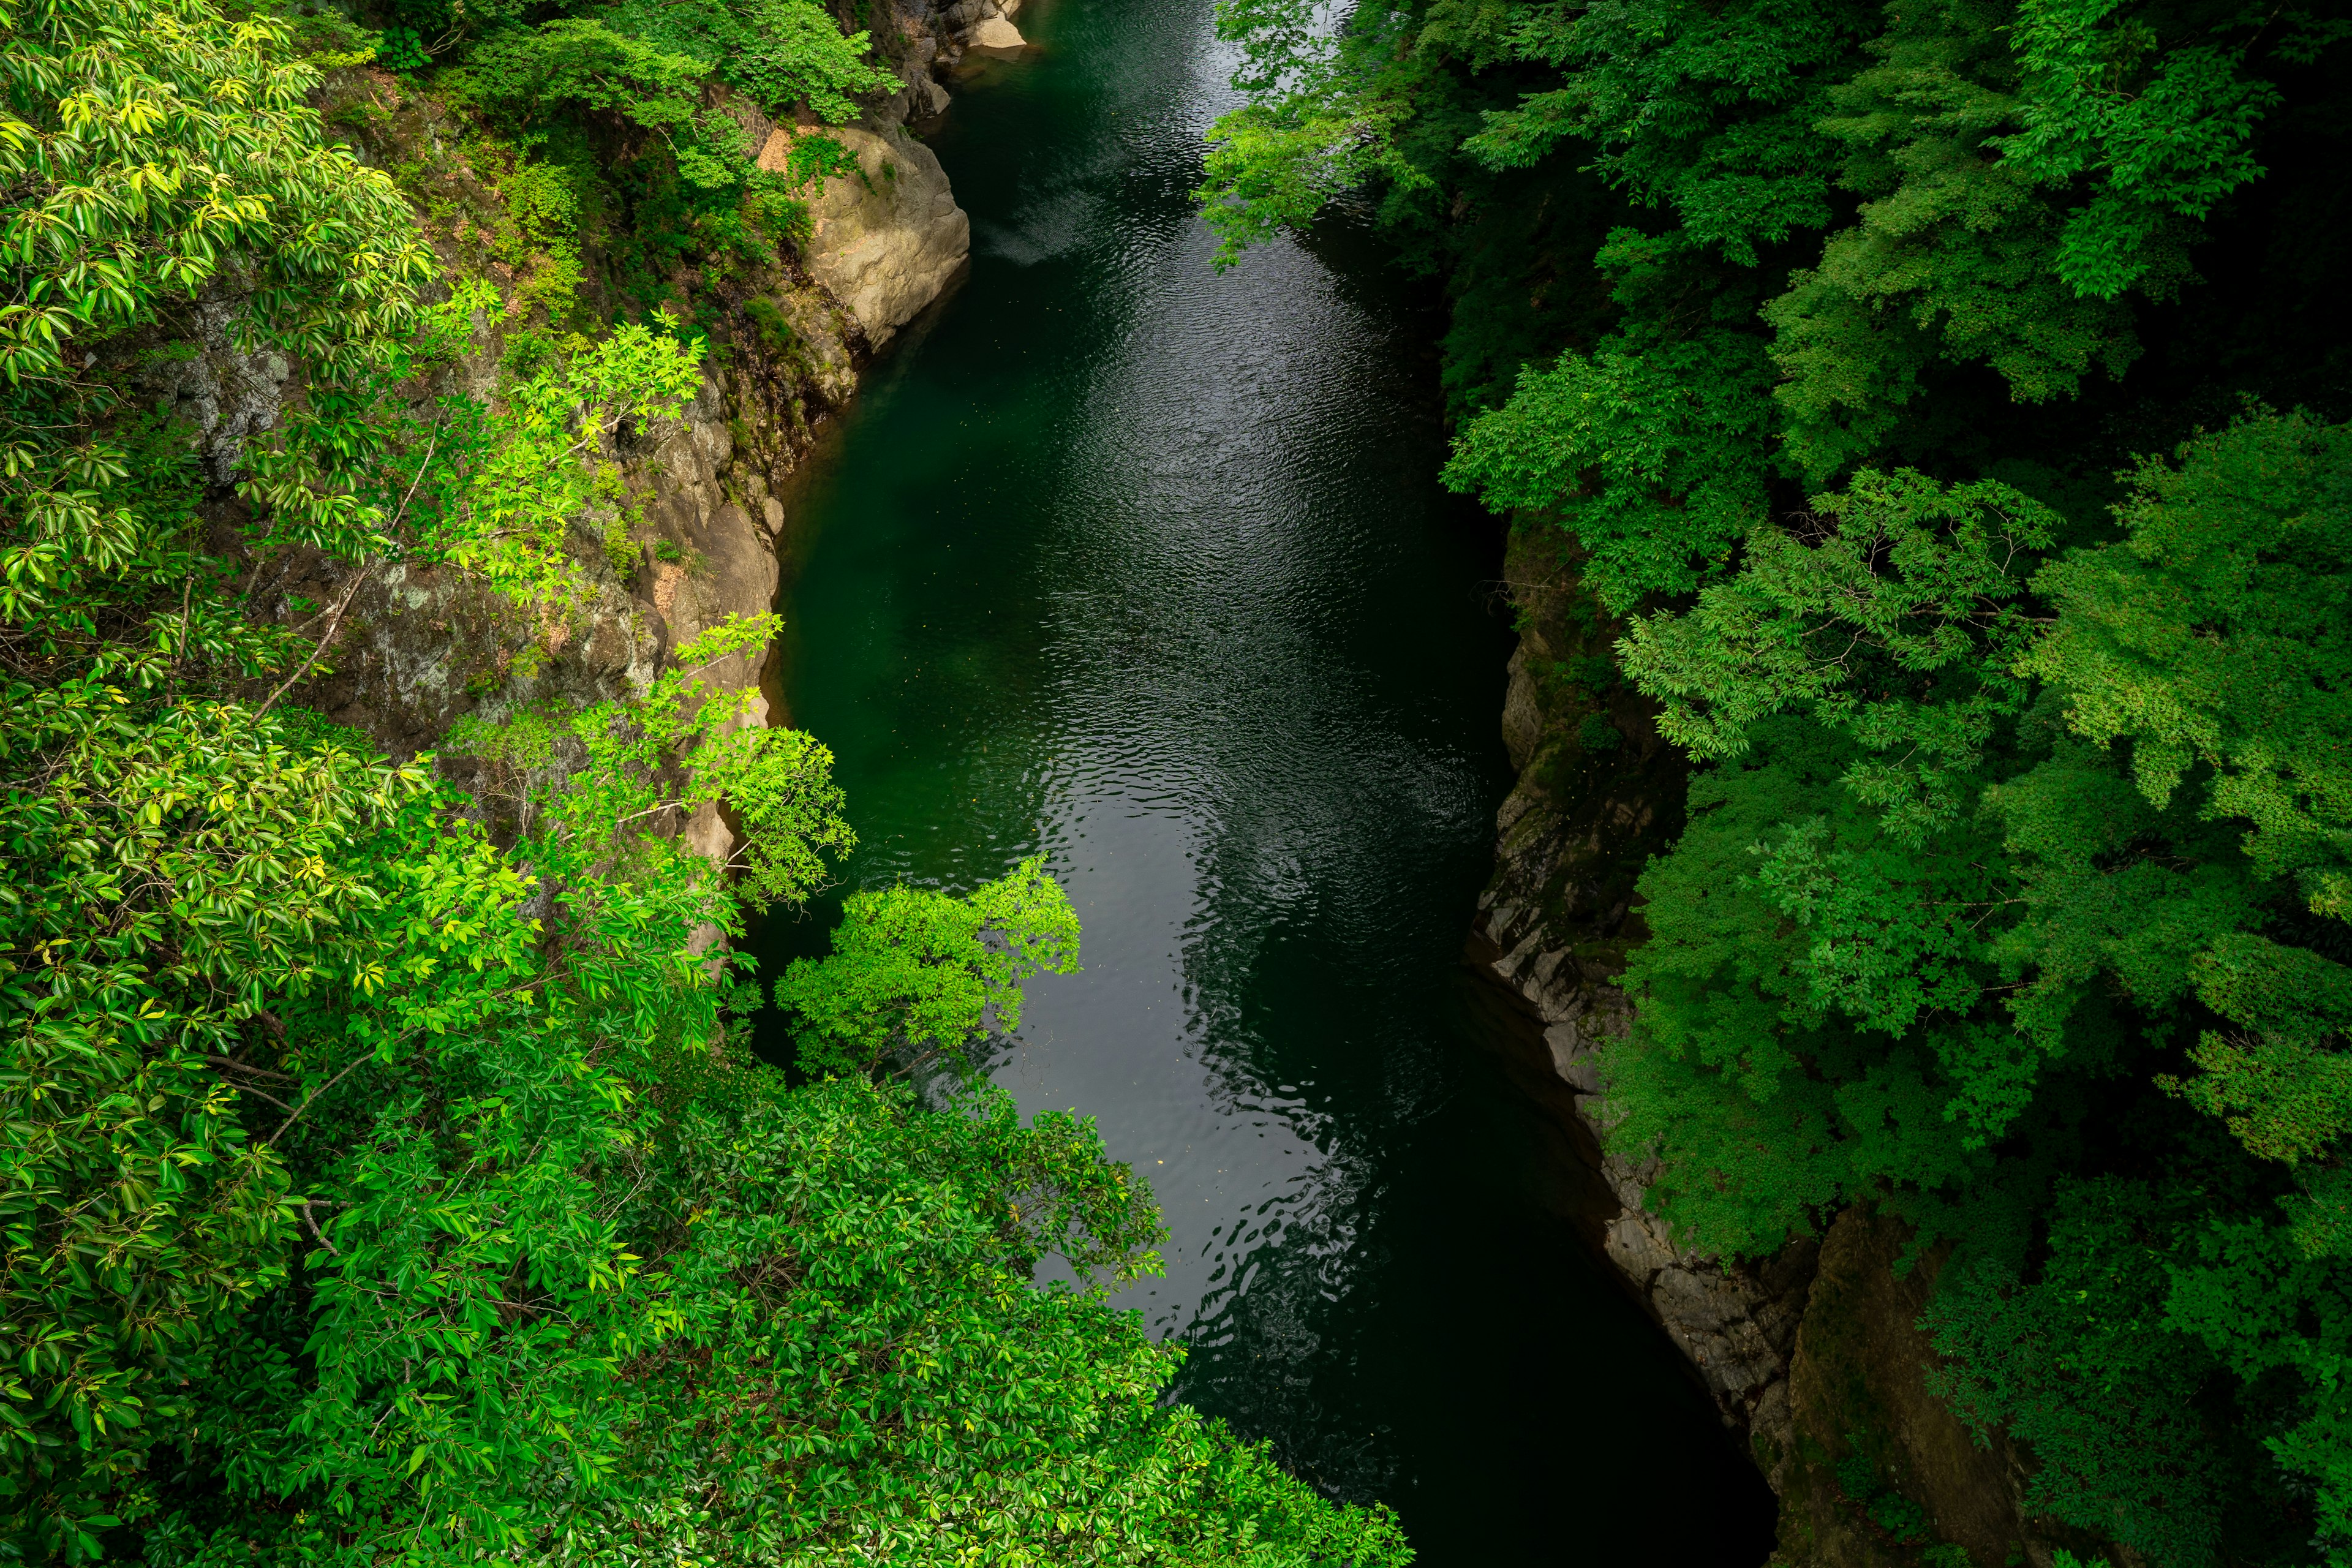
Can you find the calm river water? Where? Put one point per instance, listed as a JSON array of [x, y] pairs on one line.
[[1147, 567]]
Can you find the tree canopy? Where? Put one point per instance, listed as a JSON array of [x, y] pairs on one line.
[[384, 1177], [1948, 400]]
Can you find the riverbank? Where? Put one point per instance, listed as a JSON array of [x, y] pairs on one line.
[[688, 539]]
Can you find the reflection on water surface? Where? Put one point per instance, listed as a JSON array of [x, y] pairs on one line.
[[1146, 566]]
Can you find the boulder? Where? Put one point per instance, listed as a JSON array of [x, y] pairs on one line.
[[886, 239], [996, 36]]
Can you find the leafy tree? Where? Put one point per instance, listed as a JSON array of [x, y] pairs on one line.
[[380, 1184], [916, 969], [2011, 897]]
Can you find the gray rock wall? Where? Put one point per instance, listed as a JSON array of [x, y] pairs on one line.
[[1599, 793]]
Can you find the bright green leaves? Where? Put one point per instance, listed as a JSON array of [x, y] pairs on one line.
[[2214, 637], [1894, 937], [861, 1366], [172, 868], [1269, 171], [595, 788], [782, 52], [576, 59], [2284, 1087], [2082, 809], [1969, 845], [490, 485], [169, 881], [649, 110], [2111, 891], [1706, 111], [164, 143], [577, 1266], [792, 52], [2211, 641], [2021, 171], [1656, 456], [652, 65], [1321, 120], [1900, 588], [1818, 1012], [541, 461], [167, 152], [2160, 132], [467, 1306], [2013, 889], [1948, 260], [925, 972], [1638, 455]]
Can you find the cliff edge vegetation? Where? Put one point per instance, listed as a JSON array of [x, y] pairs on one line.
[[384, 1183], [1940, 407]]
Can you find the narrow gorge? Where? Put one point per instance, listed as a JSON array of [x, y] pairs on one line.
[[810, 783]]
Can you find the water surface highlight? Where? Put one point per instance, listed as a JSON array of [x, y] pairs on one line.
[[1146, 567]]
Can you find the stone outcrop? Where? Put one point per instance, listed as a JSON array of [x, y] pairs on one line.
[[995, 34], [983, 24], [1599, 793], [887, 239]]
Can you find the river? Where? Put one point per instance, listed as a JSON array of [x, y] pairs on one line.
[[1146, 566]]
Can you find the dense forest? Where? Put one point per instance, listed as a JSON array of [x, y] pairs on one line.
[[386, 1177], [1941, 406]]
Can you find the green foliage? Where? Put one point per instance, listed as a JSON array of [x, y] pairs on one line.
[[2213, 637], [1903, 1520], [1322, 118], [619, 142], [1909, 994], [1708, 112], [539, 458], [781, 52], [2012, 893], [1899, 588], [2159, 128], [2076, 1365], [1950, 257], [923, 971], [1648, 459], [403, 50], [599, 779], [380, 1184], [1595, 733]]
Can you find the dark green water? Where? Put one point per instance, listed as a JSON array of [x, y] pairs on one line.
[[1147, 567]]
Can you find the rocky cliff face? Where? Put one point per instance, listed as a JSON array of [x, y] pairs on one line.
[[888, 239], [1814, 1355], [421, 646], [1599, 793]]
